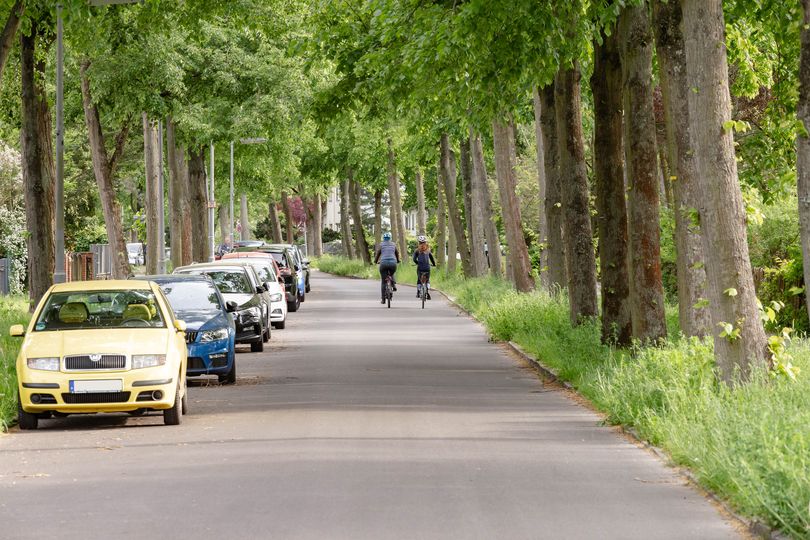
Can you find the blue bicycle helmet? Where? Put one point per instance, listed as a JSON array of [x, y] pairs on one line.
[[386, 236]]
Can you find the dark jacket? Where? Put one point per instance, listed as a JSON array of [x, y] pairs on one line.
[[423, 260]]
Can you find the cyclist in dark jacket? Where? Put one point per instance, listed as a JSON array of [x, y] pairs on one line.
[[387, 255], [423, 259]]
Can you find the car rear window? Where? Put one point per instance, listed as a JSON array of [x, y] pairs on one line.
[[227, 281]]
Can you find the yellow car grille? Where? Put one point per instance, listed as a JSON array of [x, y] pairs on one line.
[[90, 362]]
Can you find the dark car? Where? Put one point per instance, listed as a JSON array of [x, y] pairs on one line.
[[302, 262], [290, 272], [239, 283], [210, 328]]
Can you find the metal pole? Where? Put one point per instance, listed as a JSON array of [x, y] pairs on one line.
[[162, 213], [211, 205], [59, 186], [231, 193]]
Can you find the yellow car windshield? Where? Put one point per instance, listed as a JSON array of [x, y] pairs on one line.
[[77, 310]]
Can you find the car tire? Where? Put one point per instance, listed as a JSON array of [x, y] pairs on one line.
[[307, 288], [230, 377], [302, 297], [26, 420], [257, 346], [185, 400], [294, 305], [280, 324], [173, 416], [266, 334]]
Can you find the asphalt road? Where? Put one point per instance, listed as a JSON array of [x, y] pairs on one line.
[[358, 422]]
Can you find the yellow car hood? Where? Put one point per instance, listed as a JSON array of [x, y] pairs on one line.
[[127, 341]]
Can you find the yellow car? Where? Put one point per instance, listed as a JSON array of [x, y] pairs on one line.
[[102, 346]]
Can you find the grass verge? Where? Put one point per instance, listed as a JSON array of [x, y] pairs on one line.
[[749, 444], [13, 310]]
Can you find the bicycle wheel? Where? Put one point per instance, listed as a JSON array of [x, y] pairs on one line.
[[389, 294], [423, 295]]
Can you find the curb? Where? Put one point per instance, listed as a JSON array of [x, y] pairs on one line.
[[754, 527]]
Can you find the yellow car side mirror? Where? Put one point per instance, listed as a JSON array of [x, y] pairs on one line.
[[180, 326], [17, 330]]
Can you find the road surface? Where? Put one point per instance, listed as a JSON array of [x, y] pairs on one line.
[[357, 422]]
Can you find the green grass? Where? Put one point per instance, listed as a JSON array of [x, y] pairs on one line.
[[749, 444], [13, 310]]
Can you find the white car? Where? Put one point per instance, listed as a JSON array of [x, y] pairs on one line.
[[274, 283], [135, 253]]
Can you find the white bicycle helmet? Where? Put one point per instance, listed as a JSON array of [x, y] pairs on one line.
[[421, 239]]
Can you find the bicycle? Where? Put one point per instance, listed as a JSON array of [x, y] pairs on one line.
[[389, 289], [423, 287]]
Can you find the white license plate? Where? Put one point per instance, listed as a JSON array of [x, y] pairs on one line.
[[82, 387]]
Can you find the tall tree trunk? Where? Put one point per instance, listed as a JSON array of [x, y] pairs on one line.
[[478, 194], [224, 227], [466, 190], [421, 213], [491, 236], [542, 222], [732, 298], [695, 319], [178, 184], [579, 255], [288, 218], [317, 237], [275, 223], [37, 166], [441, 224], [505, 162], [555, 246], [9, 31], [198, 199], [452, 243], [450, 185], [247, 234], [397, 217], [377, 218], [153, 198], [646, 289], [309, 212], [606, 85], [345, 226], [104, 170], [357, 216]]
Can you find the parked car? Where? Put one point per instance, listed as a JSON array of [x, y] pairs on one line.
[[210, 329], [286, 263], [102, 346], [302, 262], [269, 274], [248, 243], [135, 253], [239, 283]]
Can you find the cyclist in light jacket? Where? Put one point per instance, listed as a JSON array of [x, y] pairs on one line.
[[387, 255]]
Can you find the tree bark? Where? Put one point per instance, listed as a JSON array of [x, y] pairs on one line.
[[452, 243], [198, 207], [542, 222], [104, 170], [466, 190], [345, 226], [646, 289], [492, 239], [224, 227], [441, 225], [397, 217], [695, 319], [309, 211], [377, 218], [579, 255], [606, 85], [555, 246], [288, 218], [450, 184], [275, 223], [505, 161], [37, 167], [9, 32], [361, 246], [153, 197], [318, 224], [180, 215], [421, 213], [247, 234], [478, 194], [732, 298]]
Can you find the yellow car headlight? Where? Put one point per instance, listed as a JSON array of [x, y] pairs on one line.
[[45, 364], [147, 360]]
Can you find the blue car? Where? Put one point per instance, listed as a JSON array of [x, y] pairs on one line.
[[210, 328]]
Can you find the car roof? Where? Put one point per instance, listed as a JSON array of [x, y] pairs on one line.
[[103, 285], [174, 278], [246, 255], [219, 265]]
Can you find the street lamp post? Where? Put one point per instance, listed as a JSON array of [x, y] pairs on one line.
[[59, 184], [162, 212], [250, 140], [211, 206]]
